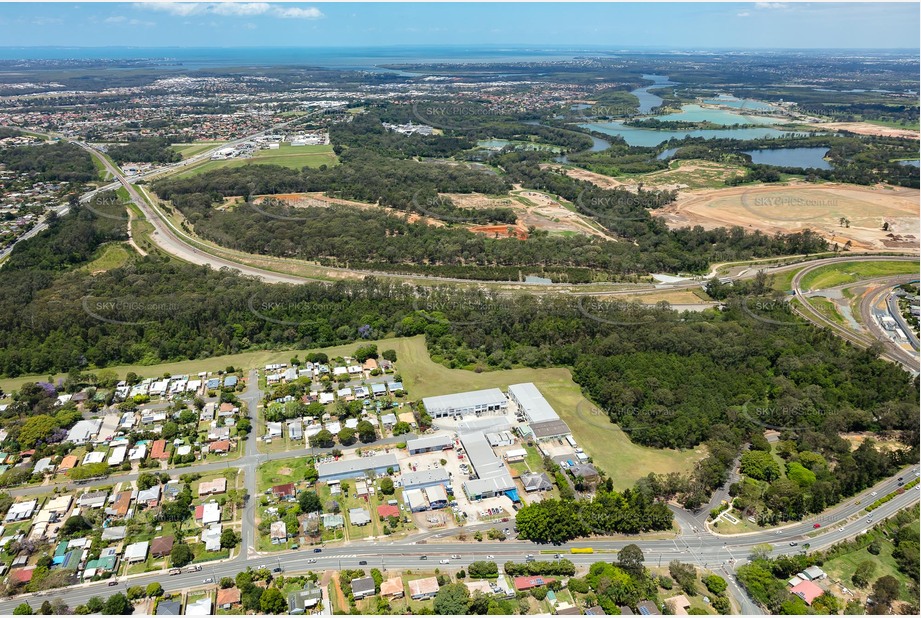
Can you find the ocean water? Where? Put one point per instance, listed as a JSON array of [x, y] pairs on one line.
[[355, 58]]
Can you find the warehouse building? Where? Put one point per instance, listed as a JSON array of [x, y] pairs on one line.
[[358, 468], [493, 478], [427, 444], [488, 401], [423, 479], [531, 403]]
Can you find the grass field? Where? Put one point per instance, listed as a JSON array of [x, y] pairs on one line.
[[843, 567], [295, 157], [111, 256], [827, 309], [192, 149], [609, 447], [848, 272]]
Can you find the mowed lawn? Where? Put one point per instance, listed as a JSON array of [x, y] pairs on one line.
[[843, 567], [295, 157], [111, 255], [847, 272], [192, 149], [608, 446]]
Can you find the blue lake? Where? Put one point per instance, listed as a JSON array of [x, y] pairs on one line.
[[728, 101], [696, 113], [791, 157], [635, 136], [647, 100]]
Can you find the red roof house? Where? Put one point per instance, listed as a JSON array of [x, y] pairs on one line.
[[158, 450], [807, 591], [387, 510]]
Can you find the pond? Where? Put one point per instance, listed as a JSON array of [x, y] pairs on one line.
[[791, 157]]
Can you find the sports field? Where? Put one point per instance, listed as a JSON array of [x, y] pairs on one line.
[[193, 148]]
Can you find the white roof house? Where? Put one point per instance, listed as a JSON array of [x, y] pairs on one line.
[[117, 455], [21, 510], [137, 552], [84, 431], [94, 457]]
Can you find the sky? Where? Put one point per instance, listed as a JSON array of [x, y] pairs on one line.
[[615, 25]]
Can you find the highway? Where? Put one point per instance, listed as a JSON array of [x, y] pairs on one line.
[[891, 351]]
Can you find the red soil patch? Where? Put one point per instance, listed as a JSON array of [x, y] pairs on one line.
[[503, 231]]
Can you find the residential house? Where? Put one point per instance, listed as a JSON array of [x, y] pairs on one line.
[[211, 537], [300, 601], [359, 517], [149, 498], [169, 608], [392, 588], [137, 552], [220, 446], [161, 546], [808, 591], [201, 607], [278, 532], [536, 482], [208, 513], [333, 520], [648, 608], [114, 533], [84, 431], [93, 499], [158, 450], [363, 587], [211, 488], [425, 588], [227, 597], [284, 492], [121, 504]]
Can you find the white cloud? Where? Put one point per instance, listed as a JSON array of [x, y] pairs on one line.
[[115, 19], [232, 9], [743, 14], [296, 13], [183, 9], [771, 5], [245, 8]]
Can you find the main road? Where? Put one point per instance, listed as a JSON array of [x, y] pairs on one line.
[[426, 549]]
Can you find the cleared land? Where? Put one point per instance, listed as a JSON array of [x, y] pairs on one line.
[[112, 256], [682, 174], [295, 157], [798, 206], [610, 447], [867, 128], [194, 148]]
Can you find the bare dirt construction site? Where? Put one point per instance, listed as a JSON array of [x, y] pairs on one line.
[[839, 212], [533, 208], [866, 128], [319, 200], [680, 175]]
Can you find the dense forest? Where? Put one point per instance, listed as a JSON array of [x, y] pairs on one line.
[[147, 150], [410, 186], [51, 162]]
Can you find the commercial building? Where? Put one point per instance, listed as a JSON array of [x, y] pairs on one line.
[[488, 401], [428, 444], [549, 430], [422, 479], [531, 403], [493, 478], [357, 468]]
